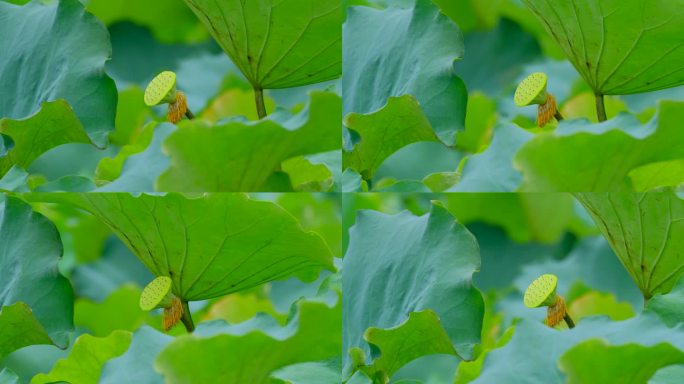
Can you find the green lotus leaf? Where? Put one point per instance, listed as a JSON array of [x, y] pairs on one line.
[[211, 245], [55, 124], [9, 377], [422, 334], [169, 20], [19, 328], [646, 231], [584, 157], [410, 264], [137, 166], [277, 43], [533, 353], [619, 47], [492, 170], [530, 217], [118, 311], [34, 73], [671, 374], [309, 373], [31, 249], [396, 52], [668, 173], [252, 351], [242, 156], [630, 363], [398, 124], [85, 361], [136, 365], [670, 306]]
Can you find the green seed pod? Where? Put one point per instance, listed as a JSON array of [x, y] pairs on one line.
[[157, 294], [532, 90], [542, 292], [161, 90]]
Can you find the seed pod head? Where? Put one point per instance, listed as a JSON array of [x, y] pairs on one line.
[[542, 292], [157, 294], [161, 90], [532, 90]]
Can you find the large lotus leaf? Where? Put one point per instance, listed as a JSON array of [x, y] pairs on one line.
[[136, 365], [170, 20], [29, 253], [210, 245], [492, 170], [410, 264], [19, 328], [251, 351], [116, 266], [619, 46], [396, 125], [33, 71], [505, 49], [310, 373], [241, 156], [538, 217], [669, 375], [395, 52], [55, 124], [584, 157], [646, 231], [422, 334], [118, 311], [670, 306], [136, 167], [630, 363], [8, 377], [533, 353], [277, 43], [85, 361], [657, 175]]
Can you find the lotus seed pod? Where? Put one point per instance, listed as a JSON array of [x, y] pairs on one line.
[[542, 292], [532, 90], [157, 294], [161, 90]]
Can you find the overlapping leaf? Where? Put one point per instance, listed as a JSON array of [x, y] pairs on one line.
[[533, 353], [32, 72], [277, 44], [85, 361], [31, 289], [252, 351], [411, 264], [242, 156], [395, 52], [619, 47], [210, 245], [583, 157], [55, 124], [646, 232], [397, 124]]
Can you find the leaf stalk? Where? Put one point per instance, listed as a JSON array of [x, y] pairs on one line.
[[600, 108], [260, 106]]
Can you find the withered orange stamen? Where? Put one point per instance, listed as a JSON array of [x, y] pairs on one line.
[[173, 314], [178, 108], [556, 313], [546, 111]]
